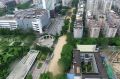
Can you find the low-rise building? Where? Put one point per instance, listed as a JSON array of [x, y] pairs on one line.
[[32, 18], [87, 64], [8, 21]]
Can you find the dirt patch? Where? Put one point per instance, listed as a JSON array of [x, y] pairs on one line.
[[53, 66]]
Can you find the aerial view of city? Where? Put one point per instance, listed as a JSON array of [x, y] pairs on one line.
[[59, 39]]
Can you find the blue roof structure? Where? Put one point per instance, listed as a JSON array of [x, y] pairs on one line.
[[70, 76]]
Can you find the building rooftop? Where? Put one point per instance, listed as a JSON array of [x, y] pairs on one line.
[[96, 59], [94, 23], [113, 19], [21, 69], [6, 1], [86, 48], [7, 17], [30, 13]]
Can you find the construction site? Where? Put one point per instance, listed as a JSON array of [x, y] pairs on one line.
[[111, 57]]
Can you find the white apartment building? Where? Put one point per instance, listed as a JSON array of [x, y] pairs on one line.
[[94, 28], [96, 6], [6, 1], [92, 6], [44, 4], [110, 30], [36, 25], [112, 24], [78, 25], [78, 29], [116, 5], [2, 5], [105, 5], [9, 22], [94, 32], [49, 5], [32, 18], [66, 2]]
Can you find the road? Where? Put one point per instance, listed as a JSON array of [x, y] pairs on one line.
[[56, 26]]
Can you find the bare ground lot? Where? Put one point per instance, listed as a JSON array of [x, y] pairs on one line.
[[113, 57], [53, 66]]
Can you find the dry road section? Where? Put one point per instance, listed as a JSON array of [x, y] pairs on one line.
[[53, 66]]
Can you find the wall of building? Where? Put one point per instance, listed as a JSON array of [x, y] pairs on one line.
[[94, 32], [111, 32], [11, 24], [78, 32]]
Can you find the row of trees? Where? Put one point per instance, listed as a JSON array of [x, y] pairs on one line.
[[66, 57], [49, 75], [5, 31], [66, 26], [24, 5], [43, 49]]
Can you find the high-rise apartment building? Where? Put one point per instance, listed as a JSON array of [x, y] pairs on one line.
[[110, 30], [46, 4], [78, 29], [96, 6], [112, 24], [116, 6], [78, 25], [94, 28]]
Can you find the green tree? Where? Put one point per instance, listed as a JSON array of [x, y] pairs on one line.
[[117, 41], [70, 39], [61, 76], [29, 76], [66, 57], [102, 41], [24, 5], [2, 11], [47, 75]]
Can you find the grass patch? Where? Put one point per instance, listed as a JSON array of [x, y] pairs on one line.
[[39, 65]]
